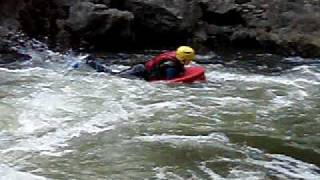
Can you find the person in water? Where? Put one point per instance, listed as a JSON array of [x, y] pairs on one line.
[[165, 66]]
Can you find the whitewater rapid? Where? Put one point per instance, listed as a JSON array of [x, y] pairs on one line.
[[89, 125]]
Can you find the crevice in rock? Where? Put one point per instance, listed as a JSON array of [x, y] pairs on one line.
[[118, 4], [230, 18], [246, 43], [242, 1]]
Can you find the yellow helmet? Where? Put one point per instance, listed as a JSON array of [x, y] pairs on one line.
[[185, 54]]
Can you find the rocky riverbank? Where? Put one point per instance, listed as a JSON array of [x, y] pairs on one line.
[[278, 26]]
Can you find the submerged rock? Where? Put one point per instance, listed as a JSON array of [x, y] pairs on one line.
[[9, 56], [8, 52]]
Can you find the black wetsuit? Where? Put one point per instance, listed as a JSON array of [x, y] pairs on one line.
[[164, 71]]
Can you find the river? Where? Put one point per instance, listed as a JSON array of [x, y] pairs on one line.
[[88, 125]]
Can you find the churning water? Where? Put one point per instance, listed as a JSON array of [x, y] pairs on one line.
[[88, 125]]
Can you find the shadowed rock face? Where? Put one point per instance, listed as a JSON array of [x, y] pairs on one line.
[[169, 22], [290, 27], [99, 25]]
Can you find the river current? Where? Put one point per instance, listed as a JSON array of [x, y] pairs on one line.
[[88, 125]]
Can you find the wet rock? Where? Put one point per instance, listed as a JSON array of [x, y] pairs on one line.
[[218, 6], [243, 35], [96, 22], [222, 13], [81, 15], [242, 1], [10, 55], [157, 22], [258, 11], [245, 10], [250, 6], [279, 21], [8, 51]]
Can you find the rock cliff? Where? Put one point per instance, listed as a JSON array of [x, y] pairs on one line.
[[289, 27]]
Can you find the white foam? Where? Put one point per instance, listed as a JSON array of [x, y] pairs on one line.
[[216, 76], [289, 168], [7, 173], [163, 173], [48, 120], [27, 70], [180, 139], [211, 173]]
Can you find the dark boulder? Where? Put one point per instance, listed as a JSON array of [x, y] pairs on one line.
[[99, 25], [164, 23], [9, 53], [286, 27]]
